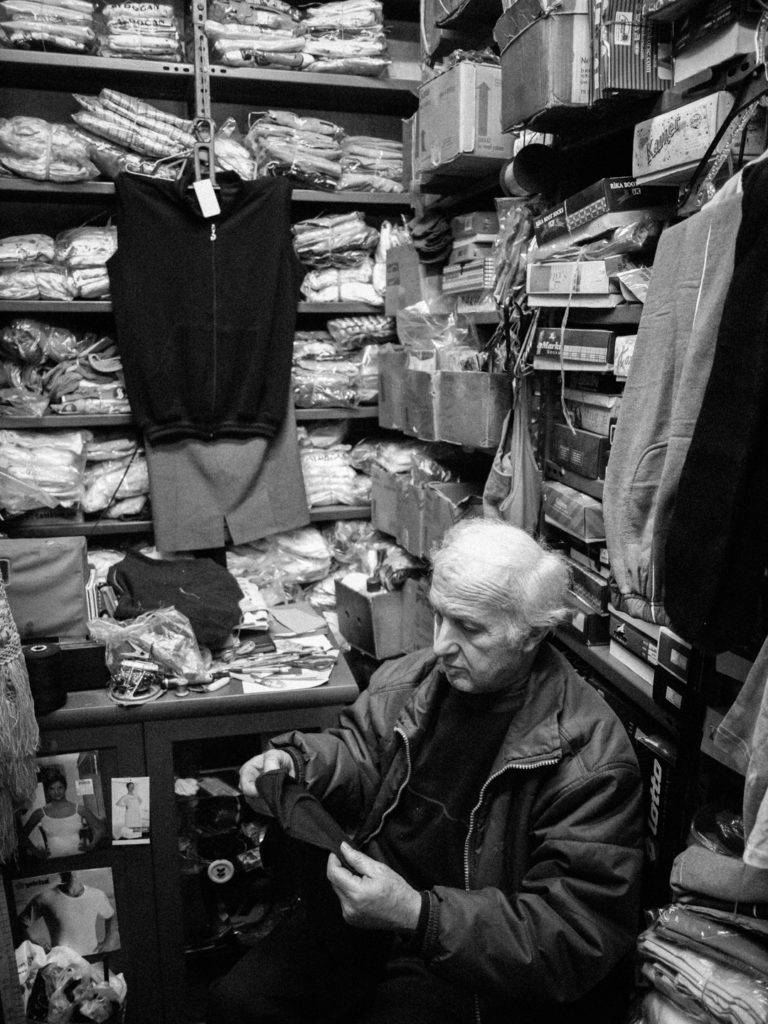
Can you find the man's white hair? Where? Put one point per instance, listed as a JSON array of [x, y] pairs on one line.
[[517, 574]]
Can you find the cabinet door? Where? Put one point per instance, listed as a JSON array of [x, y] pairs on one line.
[[209, 903], [83, 763]]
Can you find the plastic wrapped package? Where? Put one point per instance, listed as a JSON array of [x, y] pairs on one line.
[[343, 16], [60, 986], [329, 478], [231, 152], [110, 449], [511, 249], [86, 246], [640, 236], [41, 469], [338, 240], [32, 148], [22, 402], [367, 381], [114, 480], [29, 248], [269, 14], [306, 149], [164, 635], [420, 329], [36, 281], [32, 341], [364, 454], [314, 345], [353, 283], [322, 434], [147, 30], [90, 282], [290, 559], [325, 383], [126, 507], [351, 540], [352, 332], [397, 456]]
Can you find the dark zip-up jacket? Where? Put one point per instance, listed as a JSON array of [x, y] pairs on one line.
[[205, 307], [552, 858]]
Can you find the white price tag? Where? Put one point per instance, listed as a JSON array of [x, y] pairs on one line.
[[207, 198]]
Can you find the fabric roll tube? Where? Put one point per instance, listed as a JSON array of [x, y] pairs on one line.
[[45, 677]]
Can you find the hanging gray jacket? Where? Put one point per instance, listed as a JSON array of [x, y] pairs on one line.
[[553, 854], [663, 395]]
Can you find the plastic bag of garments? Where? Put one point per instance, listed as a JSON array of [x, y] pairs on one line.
[[32, 341], [329, 478], [114, 480], [32, 148], [41, 469], [164, 635]]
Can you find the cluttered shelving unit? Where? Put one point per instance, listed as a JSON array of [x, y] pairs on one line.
[[37, 85]]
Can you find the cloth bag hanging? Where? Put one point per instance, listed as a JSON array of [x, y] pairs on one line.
[[512, 491]]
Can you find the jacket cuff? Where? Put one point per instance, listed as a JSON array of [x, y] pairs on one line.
[[414, 941], [298, 763]]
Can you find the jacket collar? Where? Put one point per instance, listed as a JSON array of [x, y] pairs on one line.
[[534, 731]]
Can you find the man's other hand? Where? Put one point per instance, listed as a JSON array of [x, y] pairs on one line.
[[371, 894], [269, 761]]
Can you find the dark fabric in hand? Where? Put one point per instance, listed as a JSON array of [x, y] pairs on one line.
[[207, 593], [300, 815]]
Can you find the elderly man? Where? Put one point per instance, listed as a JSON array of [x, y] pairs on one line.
[[492, 802]]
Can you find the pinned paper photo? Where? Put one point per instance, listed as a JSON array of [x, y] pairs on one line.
[[130, 810], [66, 816], [75, 909]]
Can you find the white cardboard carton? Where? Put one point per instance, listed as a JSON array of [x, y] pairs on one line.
[[672, 144], [460, 122]]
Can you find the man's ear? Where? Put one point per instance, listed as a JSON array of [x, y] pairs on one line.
[[534, 639]]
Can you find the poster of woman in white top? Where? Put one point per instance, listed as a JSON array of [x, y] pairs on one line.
[[130, 810]]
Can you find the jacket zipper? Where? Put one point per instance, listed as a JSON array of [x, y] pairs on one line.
[[215, 323], [467, 841], [400, 788]]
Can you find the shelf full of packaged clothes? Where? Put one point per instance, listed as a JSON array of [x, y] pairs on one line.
[[96, 527], [105, 306], [166, 79], [18, 189]]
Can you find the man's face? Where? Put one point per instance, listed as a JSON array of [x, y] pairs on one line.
[[472, 639]]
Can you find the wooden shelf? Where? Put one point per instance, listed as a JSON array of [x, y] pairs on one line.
[[105, 306], [623, 679], [86, 191], [31, 69], [56, 421], [100, 528]]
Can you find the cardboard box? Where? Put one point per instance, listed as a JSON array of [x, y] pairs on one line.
[[444, 505], [591, 410], [418, 617], [46, 581], [583, 214], [575, 345], [573, 278], [472, 406], [634, 52], [466, 251], [711, 16], [623, 351], [673, 143], [421, 404], [384, 498], [642, 670], [589, 585], [587, 624], [546, 61], [581, 451], [662, 791], [586, 485], [410, 517], [478, 222], [573, 512], [408, 280], [371, 622], [474, 276], [392, 387], [633, 636], [460, 128], [724, 45]]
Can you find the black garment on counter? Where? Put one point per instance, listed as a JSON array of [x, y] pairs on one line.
[[205, 308], [204, 591], [717, 546]]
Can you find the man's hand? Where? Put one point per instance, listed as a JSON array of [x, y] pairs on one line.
[[371, 894], [269, 761]]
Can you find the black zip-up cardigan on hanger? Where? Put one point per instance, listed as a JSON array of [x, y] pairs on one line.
[[205, 308]]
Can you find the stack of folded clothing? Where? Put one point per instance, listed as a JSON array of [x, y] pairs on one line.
[[85, 251], [371, 165], [41, 469], [31, 147], [706, 955], [66, 25], [151, 31], [329, 375], [45, 367], [326, 463], [306, 149], [347, 38], [71, 267], [256, 33], [134, 124], [338, 250], [116, 479]]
